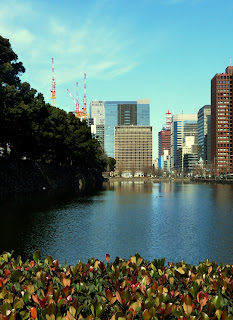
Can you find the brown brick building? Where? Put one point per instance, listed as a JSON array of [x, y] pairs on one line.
[[221, 121], [164, 141]]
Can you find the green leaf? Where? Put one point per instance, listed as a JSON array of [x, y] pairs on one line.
[[18, 304], [17, 286], [125, 295], [52, 309], [216, 300], [16, 275], [26, 297], [193, 289], [36, 256], [3, 293], [6, 307], [218, 314], [99, 309], [49, 260], [204, 316], [146, 315]]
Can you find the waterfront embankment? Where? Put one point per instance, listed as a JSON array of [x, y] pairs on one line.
[[172, 180], [26, 176]]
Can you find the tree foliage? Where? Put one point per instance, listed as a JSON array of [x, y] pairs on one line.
[[31, 128], [111, 164]]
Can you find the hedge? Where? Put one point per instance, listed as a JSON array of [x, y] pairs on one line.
[[123, 289]]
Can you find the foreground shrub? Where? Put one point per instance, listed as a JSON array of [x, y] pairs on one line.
[[133, 289]]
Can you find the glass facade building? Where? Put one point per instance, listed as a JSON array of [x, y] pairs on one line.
[[182, 125], [203, 114], [124, 113]]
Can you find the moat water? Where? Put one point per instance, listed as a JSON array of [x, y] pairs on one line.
[[190, 222]]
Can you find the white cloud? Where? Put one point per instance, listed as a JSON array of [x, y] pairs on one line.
[[96, 46]]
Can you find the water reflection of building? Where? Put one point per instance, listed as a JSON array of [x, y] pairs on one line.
[[122, 187]]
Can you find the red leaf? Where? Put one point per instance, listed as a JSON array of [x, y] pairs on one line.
[[7, 272], [202, 298], [33, 312], [109, 294], [43, 303], [32, 263], [66, 291], [35, 298], [107, 257]]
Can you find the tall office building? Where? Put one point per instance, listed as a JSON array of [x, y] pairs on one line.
[[97, 113], [124, 113], [133, 148], [182, 125], [165, 136], [203, 115], [221, 121]]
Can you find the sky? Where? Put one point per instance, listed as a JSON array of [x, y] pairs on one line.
[[164, 50]]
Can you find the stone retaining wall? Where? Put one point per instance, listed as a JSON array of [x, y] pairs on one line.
[[28, 176]]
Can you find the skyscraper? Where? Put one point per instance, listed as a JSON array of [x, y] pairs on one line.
[[97, 113], [203, 115], [133, 148], [182, 125], [221, 121], [124, 113], [165, 136]]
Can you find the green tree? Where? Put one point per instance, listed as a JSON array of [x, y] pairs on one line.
[[111, 164], [10, 71], [36, 130]]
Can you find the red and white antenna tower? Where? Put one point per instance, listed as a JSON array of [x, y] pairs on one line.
[[168, 120], [53, 90]]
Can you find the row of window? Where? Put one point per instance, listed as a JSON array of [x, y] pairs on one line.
[[224, 77], [223, 82]]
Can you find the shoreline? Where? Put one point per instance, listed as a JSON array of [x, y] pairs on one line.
[[169, 180]]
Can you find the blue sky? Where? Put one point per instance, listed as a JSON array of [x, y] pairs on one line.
[[164, 50]]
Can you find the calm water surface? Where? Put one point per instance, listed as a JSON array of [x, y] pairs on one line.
[[178, 221]]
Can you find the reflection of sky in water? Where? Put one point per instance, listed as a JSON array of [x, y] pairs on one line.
[[177, 221]]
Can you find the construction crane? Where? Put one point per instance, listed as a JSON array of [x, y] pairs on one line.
[[84, 108], [77, 112], [53, 90], [82, 114]]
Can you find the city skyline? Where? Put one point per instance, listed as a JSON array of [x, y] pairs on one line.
[[161, 50]]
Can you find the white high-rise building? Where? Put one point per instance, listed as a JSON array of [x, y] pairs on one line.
[[97, 113], [182, 125]]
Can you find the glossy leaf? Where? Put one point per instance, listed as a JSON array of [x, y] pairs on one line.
[[33, 313], [146, 315], [36, 256]]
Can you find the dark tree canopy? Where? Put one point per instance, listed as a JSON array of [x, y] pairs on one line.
[[111, 164], [33, 129], [10, 69]]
